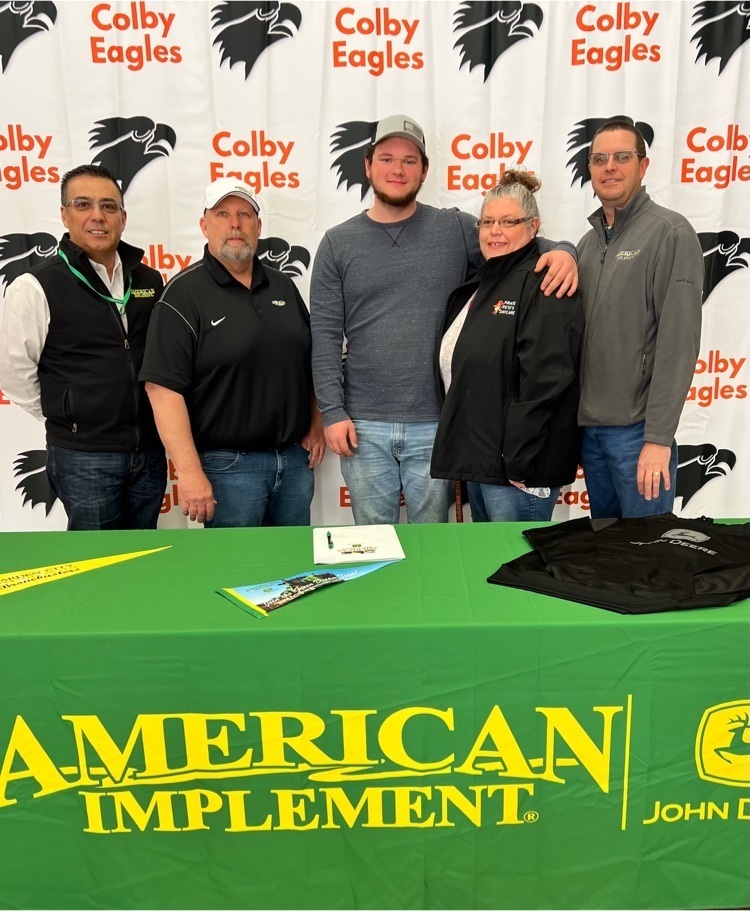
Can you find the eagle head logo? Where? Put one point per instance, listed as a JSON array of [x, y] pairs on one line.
[[19, 253], [278, 254], [126, 145], [579, 143], [490, 29], [34, 487], [19, 20], [245, 29], [697, 465], [721, 28], [350, 140], [723, 253]]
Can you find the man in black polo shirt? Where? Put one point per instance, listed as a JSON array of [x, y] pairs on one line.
[[227, 371]]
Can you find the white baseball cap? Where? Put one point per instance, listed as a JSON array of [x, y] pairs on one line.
[[228, 186]]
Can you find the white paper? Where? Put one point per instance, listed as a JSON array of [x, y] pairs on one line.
[[356, 544]]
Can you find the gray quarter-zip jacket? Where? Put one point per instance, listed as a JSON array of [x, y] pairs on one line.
[[642, 304]]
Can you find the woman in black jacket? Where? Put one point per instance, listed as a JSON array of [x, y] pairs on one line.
[[508, 365]]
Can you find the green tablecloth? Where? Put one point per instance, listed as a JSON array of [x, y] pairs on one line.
[[416, 738]]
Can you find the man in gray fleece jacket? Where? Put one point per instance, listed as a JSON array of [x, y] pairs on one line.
[[641, 269], [381, 280]]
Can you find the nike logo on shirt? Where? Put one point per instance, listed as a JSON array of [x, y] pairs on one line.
[[215, 322]]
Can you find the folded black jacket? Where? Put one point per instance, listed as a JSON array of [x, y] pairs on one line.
[[636, 566]]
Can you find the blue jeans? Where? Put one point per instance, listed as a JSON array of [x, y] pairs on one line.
[[497, 503], [108, 491], [390, 457], [270, 487], [610, 460]]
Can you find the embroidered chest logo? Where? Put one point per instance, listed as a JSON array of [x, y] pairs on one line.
[[504, 308], [279, 303], [627, 254]]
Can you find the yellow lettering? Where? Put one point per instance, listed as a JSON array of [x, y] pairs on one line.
[[391, 737], [408, 801], [372, 798], [93, 803], [292, 807], [125, 803], [238, 817], [275, 740], [596, 761], [507, 756], [451, 796], [510, 794], [24, 745], [354, 736], [148, 728], [699, 811], [718, 810], [198, 802], [198, 743]]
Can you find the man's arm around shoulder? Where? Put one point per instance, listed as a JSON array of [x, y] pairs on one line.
[[560, 259]]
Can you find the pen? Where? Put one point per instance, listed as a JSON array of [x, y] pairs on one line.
[[330, 540]]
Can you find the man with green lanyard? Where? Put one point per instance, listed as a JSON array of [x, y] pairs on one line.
[[71, 346]]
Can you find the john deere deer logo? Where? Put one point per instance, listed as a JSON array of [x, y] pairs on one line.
[[722, 744]]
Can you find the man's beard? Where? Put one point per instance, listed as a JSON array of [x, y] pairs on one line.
[[237, 254], [398, 202]]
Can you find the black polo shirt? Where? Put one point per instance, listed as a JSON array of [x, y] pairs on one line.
[[239, 356]]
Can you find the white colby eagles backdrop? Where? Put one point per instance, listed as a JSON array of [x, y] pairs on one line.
[[286, 95]]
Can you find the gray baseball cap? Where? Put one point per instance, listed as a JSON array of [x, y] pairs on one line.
[[402, 126]]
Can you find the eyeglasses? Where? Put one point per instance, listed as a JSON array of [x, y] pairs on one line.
[[502, 222], [600, 159], [108, 206]]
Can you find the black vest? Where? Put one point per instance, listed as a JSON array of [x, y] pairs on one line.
[[88, 371]]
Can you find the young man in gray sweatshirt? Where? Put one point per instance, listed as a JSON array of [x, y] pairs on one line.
[[381, 280]]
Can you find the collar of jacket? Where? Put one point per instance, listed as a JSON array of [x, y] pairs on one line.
[[492, 270], [632, 209], [222, 276], [497, 266], [130, 256]]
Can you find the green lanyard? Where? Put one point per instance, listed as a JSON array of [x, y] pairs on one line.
[[120, 304]]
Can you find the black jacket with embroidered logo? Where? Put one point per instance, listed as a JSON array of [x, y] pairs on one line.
[[88, 371], [510, 412], [636, 566]]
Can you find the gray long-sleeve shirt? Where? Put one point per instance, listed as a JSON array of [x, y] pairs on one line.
[[384, 288]]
